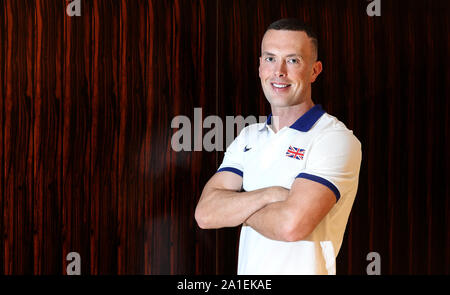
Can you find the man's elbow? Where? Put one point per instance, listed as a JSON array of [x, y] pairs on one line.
[[294, 232], [202, 219], [293, 236]]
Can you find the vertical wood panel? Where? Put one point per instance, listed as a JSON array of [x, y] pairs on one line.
[[46, 68], [208, 96], [148, 185], [3, 38], [76, 143], [18, 143], [7, 206], [131, 139], [444, 25], [103, 166]]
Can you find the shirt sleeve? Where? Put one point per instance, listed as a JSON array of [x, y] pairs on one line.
[[234, 155], [334, 161]]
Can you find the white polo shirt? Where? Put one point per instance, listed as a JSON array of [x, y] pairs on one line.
[[317, 147]]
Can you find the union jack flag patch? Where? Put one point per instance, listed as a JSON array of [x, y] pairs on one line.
[[296, 153]]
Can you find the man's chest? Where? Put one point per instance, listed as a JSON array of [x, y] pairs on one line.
[[274, 160]]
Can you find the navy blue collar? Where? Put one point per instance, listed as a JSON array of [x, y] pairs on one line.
[[306, 121]]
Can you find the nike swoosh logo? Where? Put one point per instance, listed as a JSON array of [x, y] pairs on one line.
[[246, 149]]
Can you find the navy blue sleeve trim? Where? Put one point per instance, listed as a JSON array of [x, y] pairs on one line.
[[323, 181], [234, 170]]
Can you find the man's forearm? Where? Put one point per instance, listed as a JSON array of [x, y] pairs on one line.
[[271, 221], [224, 208], [296, 217]]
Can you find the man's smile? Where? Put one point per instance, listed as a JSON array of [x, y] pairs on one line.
[[280, 85]]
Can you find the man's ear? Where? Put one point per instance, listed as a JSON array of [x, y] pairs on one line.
[[316, 70]]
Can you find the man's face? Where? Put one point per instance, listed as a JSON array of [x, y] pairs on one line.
[[287, 67]]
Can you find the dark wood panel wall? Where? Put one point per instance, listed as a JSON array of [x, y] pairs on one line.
[[87, 104]]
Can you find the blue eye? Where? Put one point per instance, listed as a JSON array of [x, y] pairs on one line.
[[269, 59], [293, 61]]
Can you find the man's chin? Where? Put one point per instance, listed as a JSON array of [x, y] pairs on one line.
[[279, 102]]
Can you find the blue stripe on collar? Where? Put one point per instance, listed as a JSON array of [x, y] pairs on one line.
[[305, 122], [269, 120], [308, 119]]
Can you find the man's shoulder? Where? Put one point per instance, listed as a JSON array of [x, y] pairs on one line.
[[329, 122], [329, 128]]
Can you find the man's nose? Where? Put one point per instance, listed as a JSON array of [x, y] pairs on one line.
[[280, 70]]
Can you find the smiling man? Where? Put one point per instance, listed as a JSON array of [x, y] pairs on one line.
[[291, 181]]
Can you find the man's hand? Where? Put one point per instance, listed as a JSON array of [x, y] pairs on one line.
[[277, 193], [274, 194]]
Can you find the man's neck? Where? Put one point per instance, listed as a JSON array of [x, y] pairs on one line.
[[286, 116]]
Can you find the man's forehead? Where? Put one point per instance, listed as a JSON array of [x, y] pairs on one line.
[[275, 40], [285, 34]]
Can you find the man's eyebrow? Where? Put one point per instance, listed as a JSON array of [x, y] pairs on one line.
[[294, 54], [289, 55]]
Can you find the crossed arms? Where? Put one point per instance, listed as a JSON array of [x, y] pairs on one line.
[[275, 212]]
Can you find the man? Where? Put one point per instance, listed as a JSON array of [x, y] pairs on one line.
[[298, 170]]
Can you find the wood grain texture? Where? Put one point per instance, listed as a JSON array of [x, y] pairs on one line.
[[86, 110]]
